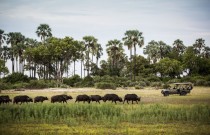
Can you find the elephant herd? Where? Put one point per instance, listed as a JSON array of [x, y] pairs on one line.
[[63, 98]]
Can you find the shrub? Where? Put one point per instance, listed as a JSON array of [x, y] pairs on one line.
[[155, 84], [4, 86], [87, 82], [16, 77], [207, 83], [105, 85], [153, 78], [166, 86], [37, 84], [142, 83], [200, 82], [72, 80], [139, 87], [19, 85]]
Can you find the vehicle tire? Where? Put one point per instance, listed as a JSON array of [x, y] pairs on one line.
[[166, 94], [183, 93]]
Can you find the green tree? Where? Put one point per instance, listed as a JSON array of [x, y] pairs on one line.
[[133, 38], [15, 39], [99, 52], [179, 47], [169, 68], [142, 66], [157, 50], [44, 31], [199, 46], [152, 51], [3, 68], [116, 55], [90, 42], [190, 61], [2, 37]]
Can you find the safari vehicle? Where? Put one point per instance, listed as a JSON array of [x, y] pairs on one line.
[[178, 88]]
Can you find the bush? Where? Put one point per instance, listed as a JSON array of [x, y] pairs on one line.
[[19, 85], [153, 78], [36, 84], [72, 80], [5, 86], [166, 86], [142, 83], [155, 84], [87, 82], [105, 85], [200, 82], [207, 83], [16, 77], [139, 87]]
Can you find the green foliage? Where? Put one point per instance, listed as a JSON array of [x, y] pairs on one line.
[[86, 82], [155, 84], [72, 80], [3, 68], [153, 78], [105, 85], [16, 77], [36, 84], [19, 85], [166, 86], [5, 86], [169, 67], [139, 87]]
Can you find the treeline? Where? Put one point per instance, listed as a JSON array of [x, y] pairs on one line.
[[51, 58]]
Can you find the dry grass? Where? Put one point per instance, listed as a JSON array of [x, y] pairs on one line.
[[123, 129], [149, 95]]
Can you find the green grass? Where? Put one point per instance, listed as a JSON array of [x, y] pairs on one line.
[[154, 115], [103, 114]]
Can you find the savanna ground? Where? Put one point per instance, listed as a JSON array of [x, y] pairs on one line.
[[155, 114]]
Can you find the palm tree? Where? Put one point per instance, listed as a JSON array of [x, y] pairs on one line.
[[4, 54], [115, 52], [14, 39], [152, 51], [164, 49], [90, 43], [99, 52], [199, 46], [2, 37], [179, 47], [44, 31], [132, 39], [128, 43], [28, 56]]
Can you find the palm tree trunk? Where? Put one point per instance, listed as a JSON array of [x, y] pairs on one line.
[[34, 70], [131, 73], [74, 67], [134, 75], [88, 62], [97, 62], [16, 64], [84, 67], [81, 68], [13, 65]]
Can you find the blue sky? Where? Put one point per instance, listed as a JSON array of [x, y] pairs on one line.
[[165, 20]]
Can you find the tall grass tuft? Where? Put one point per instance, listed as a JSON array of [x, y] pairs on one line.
[[108, 114]]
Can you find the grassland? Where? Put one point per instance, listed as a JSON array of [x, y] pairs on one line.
[[154, 115]]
